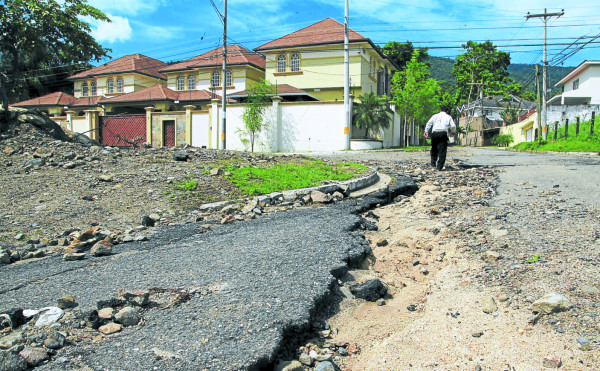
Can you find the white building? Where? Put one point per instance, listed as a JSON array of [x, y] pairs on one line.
[[581, 86]]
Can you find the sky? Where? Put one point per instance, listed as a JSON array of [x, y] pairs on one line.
[[174, 30]]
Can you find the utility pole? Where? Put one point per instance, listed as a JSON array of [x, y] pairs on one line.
[[347, 121], [224, 80], [545, 16], [537, 93]]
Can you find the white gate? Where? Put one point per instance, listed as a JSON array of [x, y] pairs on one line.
[[200, 130]]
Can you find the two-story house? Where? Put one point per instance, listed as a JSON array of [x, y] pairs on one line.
[[581, 86], [116, 78], [312, 59]]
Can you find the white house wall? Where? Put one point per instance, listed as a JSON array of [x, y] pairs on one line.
[[589, 82]]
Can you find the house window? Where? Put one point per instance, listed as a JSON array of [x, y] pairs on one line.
[[281, 63], [216, 79], [191, 82], [119, 85], [84, 89], [93, 89], [228, 78], [295, 62], [110, 86], [180, 83], [576, 84]]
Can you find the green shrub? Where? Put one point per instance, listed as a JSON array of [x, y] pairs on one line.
[[503, 140]]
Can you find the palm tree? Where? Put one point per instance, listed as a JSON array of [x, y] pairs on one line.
[[372, 114]]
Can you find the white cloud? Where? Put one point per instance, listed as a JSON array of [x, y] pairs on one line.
[[128, 7], [118, 30]]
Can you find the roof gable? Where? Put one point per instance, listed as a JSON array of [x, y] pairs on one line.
[[236, 55], [327, 31], [159, 93], [53, 99], [137, 63], [584, 65]]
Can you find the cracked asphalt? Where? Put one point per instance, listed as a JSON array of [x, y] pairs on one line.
[[260, 279]]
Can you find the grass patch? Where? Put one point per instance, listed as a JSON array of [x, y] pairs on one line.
[[253, 180], [582, 142]]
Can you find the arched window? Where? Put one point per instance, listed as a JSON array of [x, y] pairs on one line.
[[93, 89], [180, 83], [119, 85], [281, 63], [191, 82], [84, 89], [295, 62], [216, 79], [228, 78], [110, 86]]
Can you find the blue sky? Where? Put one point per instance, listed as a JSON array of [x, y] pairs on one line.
[[180, 29]]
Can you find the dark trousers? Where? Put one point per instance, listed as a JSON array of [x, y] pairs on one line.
[[439, 147]]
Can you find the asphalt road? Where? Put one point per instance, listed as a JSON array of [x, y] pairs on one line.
[[260, 280]]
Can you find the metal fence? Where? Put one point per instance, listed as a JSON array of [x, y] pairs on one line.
[[125, 130]]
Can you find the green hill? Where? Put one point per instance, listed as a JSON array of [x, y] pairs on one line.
[[441, 70]]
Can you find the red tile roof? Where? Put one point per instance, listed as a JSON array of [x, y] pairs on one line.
[[52, 99], [130, 63], [236, 55], [327, 31], [159, 93], [86, 101]]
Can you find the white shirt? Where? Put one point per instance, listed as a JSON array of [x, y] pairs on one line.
[[440, 122]]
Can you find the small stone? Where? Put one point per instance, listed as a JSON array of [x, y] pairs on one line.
[[325, 366], [55, 340], [154, 217], [147, 221], [127, 316], [381, 302], [320, 197], [34, 355], [4, 257], [19, 236], [590, 290], [216, 172], [289, 366], [477, 334], [489, 305], [370, 290], [412, 308], [11, 340], [110, 328], [106, 313], [73, 256], [382, 242], [106, 178], [582, 341], [181, 156], [551, 303], [491, 256], [66, 302], [136, 298], [305, 359], [101, 248], [416, 262], [552, 362]]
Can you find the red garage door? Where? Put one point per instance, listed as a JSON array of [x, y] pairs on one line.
[[123, 130], [169, 133]]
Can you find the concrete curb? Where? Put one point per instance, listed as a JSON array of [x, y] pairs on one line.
[[346, 188]]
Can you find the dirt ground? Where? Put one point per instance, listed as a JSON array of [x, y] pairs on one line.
[[448, 330]]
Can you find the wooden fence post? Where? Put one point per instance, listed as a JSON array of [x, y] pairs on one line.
[[592, 123], [566, 128], [555, 130], [577, 127]]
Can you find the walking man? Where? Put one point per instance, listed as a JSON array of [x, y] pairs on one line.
[[438, 128]]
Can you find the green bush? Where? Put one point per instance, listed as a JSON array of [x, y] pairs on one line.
[[503, 140]]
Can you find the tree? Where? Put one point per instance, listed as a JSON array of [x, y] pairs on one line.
[[415, 95], [259, 96], [482, 64], [510, 114], [39, 37], [401, 53], [372, 114]]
